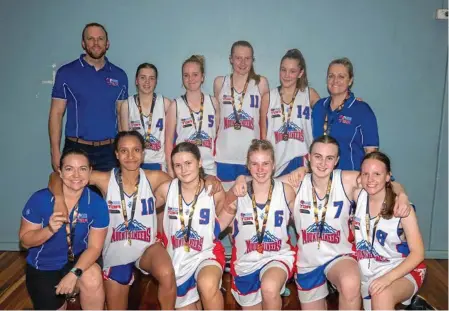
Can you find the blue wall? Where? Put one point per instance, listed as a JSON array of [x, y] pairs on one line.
[[398, 49]]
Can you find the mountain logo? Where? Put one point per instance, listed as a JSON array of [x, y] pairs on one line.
[[270, 243], [153, 143], [329, 234], [365, 251], [206, 140], [245, 120], [195, 240], [137, 231], [293, 132]]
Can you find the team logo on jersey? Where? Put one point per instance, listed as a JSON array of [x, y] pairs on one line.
[[112, 82], [276, 112], [172, 212], [82, 218], [304, 207], [154, 144], [137, 231], [365, 251], [329, 234], [114, 207], [186, 122], [344, 119], [227, 100], [245, 120], [293, 131], [270, 243], [195, 240], [135, 125], [247, 218], [206, 140]]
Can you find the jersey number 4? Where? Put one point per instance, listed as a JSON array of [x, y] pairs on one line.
[[303, 112]]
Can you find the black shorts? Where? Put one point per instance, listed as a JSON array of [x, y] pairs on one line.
[[41, 286]]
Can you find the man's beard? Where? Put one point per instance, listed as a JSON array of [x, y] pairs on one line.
[[94, 55]]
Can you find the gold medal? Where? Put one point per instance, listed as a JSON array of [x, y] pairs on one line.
[[71, 257], [285, 137], [237, 126], [260, 248], [198, 142], [186, 248]]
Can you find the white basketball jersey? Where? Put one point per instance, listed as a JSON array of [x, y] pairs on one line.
[[233, 144], [155, 153], [388, 250], [203, 241], [276, 245], [186, 131], [142, 228], [298, 129], [335, 233]]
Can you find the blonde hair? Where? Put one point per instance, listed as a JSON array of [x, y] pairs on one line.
[[198, 59], [260, 145]]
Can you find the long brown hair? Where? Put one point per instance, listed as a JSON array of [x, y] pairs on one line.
[[390, 196], [252, 74]]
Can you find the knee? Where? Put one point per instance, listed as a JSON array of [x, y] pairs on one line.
[[207, 285], [270, 289], [382, 300], [349, 287], [91, 280], [166, 276]]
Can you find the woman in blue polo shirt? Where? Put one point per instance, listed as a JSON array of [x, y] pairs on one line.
[[62, 255], [346, 118]]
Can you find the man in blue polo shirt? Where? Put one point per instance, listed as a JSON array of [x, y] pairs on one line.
[[92, 90]]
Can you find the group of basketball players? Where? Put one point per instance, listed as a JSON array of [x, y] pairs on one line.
[[356, 230]]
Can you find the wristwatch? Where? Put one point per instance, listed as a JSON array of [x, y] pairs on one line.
[[77, 271]]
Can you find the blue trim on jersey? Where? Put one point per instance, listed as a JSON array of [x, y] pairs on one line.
[[185, 287], [248, 284], [230, 172], [354, 127], [91, 97], [52, 255], [314, 278], [151, 166], [293, 164], [236, 227]]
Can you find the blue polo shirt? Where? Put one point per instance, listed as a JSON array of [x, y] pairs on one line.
[[354, 127], [52, 255], [91, 97]]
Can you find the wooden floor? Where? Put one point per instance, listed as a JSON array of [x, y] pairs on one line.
[[14, 296]]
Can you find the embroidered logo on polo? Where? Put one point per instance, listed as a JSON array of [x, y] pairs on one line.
[[195, 240], [293, 132], [112, 82], [329, 234], [270, 243], [365, 251], [206, 140], [245, 120], [82, 218], [137, 231], [344, 119]]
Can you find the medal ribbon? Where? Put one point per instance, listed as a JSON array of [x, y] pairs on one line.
[[239, 109], [368, 225], [326, 125], [150, 116], [70, 233], [192, 210], [200, 121], [123, 203], [315, 208], [261, 233], [289, 114]]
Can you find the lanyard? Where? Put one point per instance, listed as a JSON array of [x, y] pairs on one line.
[[198, 140], [237, 124], [289, 114], [368, 225], [326, 125], [186, 232], [70, 233], [150, 116], [123, 203], [315, 207], [261, 232]]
